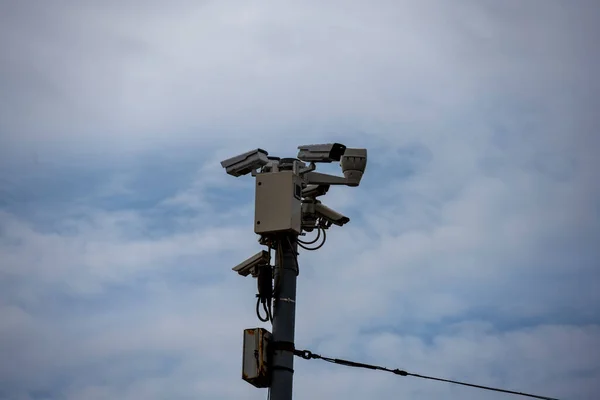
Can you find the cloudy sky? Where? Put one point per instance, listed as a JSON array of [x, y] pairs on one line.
[[472, 251]]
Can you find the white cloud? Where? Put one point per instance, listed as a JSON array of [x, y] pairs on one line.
[[149, 78], [472, 248]]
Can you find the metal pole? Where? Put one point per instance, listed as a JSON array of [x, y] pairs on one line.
[[284, 318]]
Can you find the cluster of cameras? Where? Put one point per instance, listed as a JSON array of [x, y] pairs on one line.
[[353, 162]]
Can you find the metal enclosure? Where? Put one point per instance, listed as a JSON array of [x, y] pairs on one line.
[[255, 360], [278, 206]]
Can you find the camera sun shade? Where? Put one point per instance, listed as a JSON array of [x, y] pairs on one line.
[[246, 163], [324, 153]]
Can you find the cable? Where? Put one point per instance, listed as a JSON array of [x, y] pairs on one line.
[[307, 355], [319, 246], [277, 274], [295, 256], [258, 301], [314, 240], [265, 292], [269, 311]]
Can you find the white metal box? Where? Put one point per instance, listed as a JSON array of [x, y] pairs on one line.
[[278, 205], [255, 360]]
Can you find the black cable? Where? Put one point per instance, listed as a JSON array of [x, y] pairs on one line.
[[277, 274], [295, 256], [265, 291], [314, 240], [270, 311], [258, 301], [307, 355], [317, 247]]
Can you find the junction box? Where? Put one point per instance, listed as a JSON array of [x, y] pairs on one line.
[[255, 359]]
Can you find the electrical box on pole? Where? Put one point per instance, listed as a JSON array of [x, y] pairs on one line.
[[255, 359], [278, 206]]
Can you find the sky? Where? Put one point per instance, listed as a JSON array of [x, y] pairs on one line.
[[472, 248]]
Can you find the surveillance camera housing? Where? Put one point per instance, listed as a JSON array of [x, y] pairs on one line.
[[324, 153], [353, 163], [246, 163], [250, 266], [313, 191], [330, 215]]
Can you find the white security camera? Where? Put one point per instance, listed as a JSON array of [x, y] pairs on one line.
[[353, 163], [246, 163], [250, 266], [324, 153], [330, 215]]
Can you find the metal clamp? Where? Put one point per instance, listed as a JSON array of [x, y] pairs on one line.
[[307, 355]]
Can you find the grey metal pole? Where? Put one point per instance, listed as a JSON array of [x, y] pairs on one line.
[[284, 318]]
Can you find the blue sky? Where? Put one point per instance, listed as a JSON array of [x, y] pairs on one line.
[[472, 251]]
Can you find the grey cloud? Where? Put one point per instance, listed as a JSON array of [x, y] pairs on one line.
[[466, 259], [494, 227], [98, 253], [238, 69]]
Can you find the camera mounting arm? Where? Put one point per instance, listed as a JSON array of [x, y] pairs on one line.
[[353, 163], [318, 178]]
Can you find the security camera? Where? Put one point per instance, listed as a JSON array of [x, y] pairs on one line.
[[330, 215], [324, 153], [246, 163], [250, 266], [353, 163], [314, 191]]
